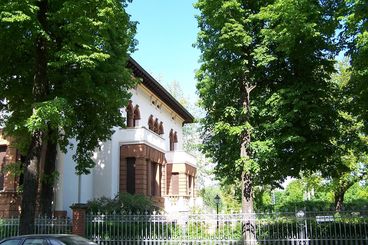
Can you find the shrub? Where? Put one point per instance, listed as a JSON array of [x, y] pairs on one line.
[[124, 202]]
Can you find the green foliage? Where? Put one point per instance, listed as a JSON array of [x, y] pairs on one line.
[[230, 200], [280, 53], [263, 198], [66, 73], [208, 196], [14, 169], [49, 113], [351, 142], [310, 193], [355, 38], [122, 203]]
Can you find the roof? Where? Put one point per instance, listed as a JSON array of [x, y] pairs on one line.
[[149, 82]]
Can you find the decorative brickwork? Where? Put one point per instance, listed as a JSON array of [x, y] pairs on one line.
[[184, 171], [79, 219], [9, 199], [141, 176], [10, 182], [142, 151], [9, 204], [145, 156]]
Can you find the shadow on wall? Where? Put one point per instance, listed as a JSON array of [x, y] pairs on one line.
[[102, 172]]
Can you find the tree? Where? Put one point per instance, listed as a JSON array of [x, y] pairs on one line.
[[355, 40], [256, 48], [232, 67], [62, 76], [351, 142], [295, 114], [228, 74], [280, 52]]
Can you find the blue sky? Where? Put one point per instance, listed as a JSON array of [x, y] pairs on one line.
[[166, 31]]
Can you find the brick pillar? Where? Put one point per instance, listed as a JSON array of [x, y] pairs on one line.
[[79, 219], [123, 174], [141, 176]]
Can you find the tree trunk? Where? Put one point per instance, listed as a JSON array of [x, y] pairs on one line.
[[28, 207], [339, 199], [37, 149], [249, 228], [249, 225], [48, 179], [30, 186]]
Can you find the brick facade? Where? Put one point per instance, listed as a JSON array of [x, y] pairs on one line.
[[79, 219], [184, 171], [9, 199], [145, 156]]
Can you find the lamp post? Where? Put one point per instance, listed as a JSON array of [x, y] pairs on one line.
[[217, 201], [302, 225]]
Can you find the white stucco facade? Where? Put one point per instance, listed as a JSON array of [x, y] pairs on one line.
[[104, 177]]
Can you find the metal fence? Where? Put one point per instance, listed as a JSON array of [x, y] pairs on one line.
[[43, 225], [266, 228]]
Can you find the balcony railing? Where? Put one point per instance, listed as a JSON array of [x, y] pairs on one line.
[[176, 157], [140, 135]]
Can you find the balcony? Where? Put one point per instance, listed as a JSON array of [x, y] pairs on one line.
[[140, 135], [177, 157]]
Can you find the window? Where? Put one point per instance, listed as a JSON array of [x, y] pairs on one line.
[[35, 241], [156, 126], [130, 175], [74, 240], [11, 242], [173, 139], [137, 116], [155, 179], [161, 128], [190, 179], [130, 114], [150, 123], [175, 184]]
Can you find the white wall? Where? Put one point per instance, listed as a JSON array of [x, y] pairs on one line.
[[143, 97], [103, 171], [104, 179], [69, 183]]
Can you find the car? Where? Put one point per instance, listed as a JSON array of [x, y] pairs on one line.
[[47, 239]]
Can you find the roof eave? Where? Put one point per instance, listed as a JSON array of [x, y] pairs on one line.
[[159, 90]]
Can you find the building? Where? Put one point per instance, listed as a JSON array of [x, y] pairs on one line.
[[146, 157]]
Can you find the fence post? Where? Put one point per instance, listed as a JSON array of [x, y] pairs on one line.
[[79, 219]]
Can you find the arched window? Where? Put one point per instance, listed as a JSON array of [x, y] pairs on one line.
[[161, 128], [171, 137], [156, 126], [175, 137], [130, 114], [137, 116], [150, 123]]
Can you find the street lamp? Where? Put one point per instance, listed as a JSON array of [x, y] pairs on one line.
[[302, 224], [217, 201]]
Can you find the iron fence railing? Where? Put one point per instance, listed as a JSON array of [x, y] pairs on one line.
[[267, 228], [43, 225]]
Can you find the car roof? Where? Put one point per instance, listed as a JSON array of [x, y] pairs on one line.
[[41, 235]]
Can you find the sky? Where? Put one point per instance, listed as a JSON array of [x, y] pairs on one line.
[[166, 32]]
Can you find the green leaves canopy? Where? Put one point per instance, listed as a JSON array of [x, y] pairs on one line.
[[85, 45], [355, 38], [284, 49]]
